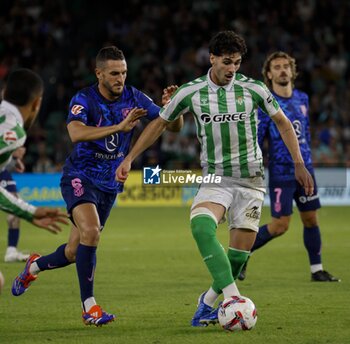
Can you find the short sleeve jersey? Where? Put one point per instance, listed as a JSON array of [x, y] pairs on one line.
[[226, 120], [98, 160], [296, 108]]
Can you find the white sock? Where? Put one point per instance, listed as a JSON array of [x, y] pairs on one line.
[[88, 303], [34, 268], [316, 267], [210, 297], [231, 290]]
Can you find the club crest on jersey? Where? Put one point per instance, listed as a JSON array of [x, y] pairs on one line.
[[206, 118], [239, 100], [76, 109], [125, 112], [10, 136]]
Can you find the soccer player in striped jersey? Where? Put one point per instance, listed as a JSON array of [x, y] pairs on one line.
[[224, 104], [18, 110], [279, 73], [101, 120]]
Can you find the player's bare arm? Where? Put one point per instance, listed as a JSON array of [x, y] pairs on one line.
[[290, 139], [80, 132], [146, 139], [176, 125]]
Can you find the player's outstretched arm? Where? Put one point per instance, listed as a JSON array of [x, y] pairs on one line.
[[79, 132], [150, 134], [290, 139], [47, 218]]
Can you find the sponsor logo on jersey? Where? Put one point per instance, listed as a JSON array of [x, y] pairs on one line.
[[204, 101], [10, 136], [6, 183], [76, 109], [112, 142], [223, 117]]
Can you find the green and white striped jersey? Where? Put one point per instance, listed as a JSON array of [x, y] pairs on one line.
[[12, 136], [226, 120]]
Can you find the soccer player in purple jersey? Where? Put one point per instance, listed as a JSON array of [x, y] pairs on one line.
[[279, 73], [100, 122]]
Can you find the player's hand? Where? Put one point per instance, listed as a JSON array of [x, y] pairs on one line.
[[304, 178], [167, 93], [132, 119], [122, 172], [49, 218]]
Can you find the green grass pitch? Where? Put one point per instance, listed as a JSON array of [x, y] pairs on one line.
[[150, 274]]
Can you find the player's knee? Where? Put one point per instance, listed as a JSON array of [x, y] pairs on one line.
[[310, 221], [203, 224], [12, 221], [90, 235], [280, 227]]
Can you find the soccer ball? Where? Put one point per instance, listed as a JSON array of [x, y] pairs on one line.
[[2, 281], [237, 313]]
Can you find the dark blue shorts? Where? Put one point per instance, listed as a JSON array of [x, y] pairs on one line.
[[282, 194], [7, 182], [76, 190]]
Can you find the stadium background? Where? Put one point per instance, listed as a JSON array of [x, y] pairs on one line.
[[166, 43], [149, 271]]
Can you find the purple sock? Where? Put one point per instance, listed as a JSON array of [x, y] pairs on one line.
[[312, 242], [13, 237], [262, 238], [86, 263], [54, 260]]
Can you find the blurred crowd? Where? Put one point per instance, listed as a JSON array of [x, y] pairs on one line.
[[166, 43]]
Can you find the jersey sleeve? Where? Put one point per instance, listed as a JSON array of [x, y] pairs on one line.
[[16, 206], [178, 105], [307, 121], [147, 103], [265, 99], [263, 125], [78, 109]]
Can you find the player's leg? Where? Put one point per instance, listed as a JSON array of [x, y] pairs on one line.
[[204, 219], [36, 263], [308, 206], [12, 254], [13, 223], [208, 208], [281, 200], [244, 216]]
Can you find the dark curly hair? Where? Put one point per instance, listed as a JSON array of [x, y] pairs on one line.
[[227, 42]]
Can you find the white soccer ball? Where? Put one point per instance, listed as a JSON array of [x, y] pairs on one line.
[[2, 281], [237, 313]]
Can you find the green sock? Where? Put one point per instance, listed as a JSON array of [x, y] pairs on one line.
[[204, 232], [237, 259]]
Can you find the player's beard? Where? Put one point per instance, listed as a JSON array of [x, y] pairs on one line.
[[113, 93]]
